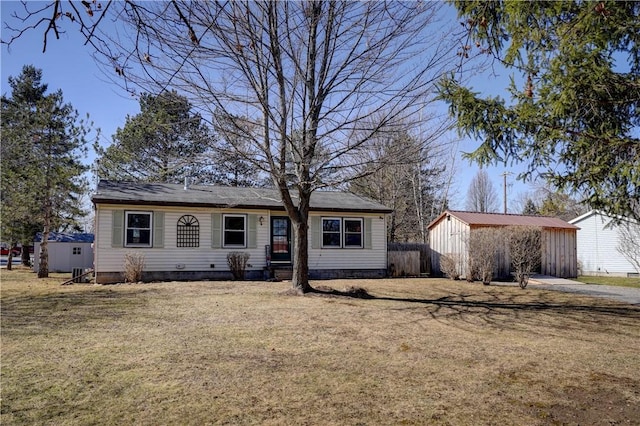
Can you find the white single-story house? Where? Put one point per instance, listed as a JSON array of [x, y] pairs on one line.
[[66, 251], [597, 246], [186, 232], [449, 234]]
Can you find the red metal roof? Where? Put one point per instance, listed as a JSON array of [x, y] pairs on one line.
[[499, 219]]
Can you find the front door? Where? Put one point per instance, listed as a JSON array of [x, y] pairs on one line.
[[280, 239]]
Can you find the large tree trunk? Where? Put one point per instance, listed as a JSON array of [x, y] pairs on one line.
[[43, 265], [26, 256], [10, 257], [300, 225], [300, 278]]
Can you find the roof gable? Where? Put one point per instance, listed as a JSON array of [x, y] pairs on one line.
[[222, 196], [500, 219], [604, 216]]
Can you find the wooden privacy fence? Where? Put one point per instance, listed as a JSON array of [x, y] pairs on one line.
[[408, 259]]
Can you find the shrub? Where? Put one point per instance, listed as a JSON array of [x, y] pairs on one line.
[[483, 246], [525, 251], [237, 263], [449, 265], [133, 267]]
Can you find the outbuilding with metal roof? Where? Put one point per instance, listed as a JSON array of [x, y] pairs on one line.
[[449, 235]]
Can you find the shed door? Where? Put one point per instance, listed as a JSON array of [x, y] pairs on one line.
[[280, 239]]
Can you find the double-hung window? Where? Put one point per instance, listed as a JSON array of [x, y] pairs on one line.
[[353, 233], [331, 232], [234, 230], [342, 232], [138, 229]]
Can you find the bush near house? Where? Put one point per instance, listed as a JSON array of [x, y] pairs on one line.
[[449, 263], [484, 245], [525, 251]]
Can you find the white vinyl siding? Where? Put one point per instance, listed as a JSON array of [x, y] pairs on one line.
[[373, 254], [210, 251], [596, 246]]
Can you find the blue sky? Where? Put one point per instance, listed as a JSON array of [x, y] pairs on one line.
[[67, 65]]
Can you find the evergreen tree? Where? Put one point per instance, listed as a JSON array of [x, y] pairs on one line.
[[530, 208], [575, 94], [165, 142], [42, 145], [233, 152]]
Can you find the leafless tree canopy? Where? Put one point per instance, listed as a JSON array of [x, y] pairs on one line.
[[305, 85], [481, 195]]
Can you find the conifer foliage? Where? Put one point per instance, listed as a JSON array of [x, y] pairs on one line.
[[575, 93], [43, 142]]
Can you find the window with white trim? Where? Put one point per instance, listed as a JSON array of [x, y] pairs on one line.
[[331, 232], [353, 233], [138, 229], [234, 230]]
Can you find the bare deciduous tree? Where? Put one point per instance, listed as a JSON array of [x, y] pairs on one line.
[[629, 242], [309, 75], [407, 173], [481, 195]]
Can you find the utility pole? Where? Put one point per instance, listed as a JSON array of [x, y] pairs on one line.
[[504, 178]]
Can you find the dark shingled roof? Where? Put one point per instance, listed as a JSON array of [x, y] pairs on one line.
[[498, 219], [165, 194]]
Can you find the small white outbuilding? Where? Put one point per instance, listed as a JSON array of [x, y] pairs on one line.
[[598, 241], [66, 251]]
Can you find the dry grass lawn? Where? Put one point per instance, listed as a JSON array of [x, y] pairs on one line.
[[420, 351]]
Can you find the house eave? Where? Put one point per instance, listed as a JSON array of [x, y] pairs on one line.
[[97, 201]]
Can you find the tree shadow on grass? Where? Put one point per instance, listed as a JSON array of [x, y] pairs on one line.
[[504, 311]]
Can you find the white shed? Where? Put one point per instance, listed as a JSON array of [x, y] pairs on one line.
[[66, 251], [597, 246]]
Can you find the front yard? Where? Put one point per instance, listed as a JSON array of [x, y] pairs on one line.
[[421, 351]]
